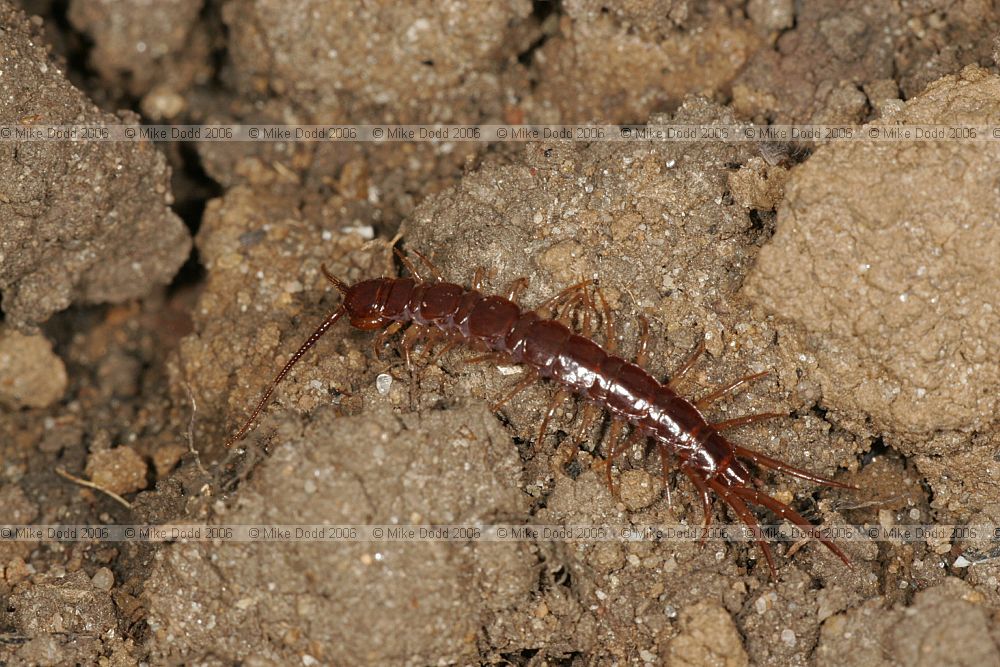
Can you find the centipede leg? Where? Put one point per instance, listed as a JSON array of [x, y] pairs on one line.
[[477, 278], [775, 464], [379, 342], [530, 378], [588, 308], [405, 261], [747, 419], [564, 313], [567, 449], [665, 470], [557, 399], [591, 414], [705, 401], [452, 342], [635, 436], [614, 433], [612, 452], [516, 287], [747, 517], [687, 365], [610, 337], [432, 339], [492, 358], [643, 351], [410, 339], [430, 266], [706, 502], [786, 512], [544, 309]]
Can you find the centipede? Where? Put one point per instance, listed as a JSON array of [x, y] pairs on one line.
[[542, 340]]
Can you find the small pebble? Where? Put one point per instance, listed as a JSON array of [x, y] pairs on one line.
[[103, 579], [383, 382], [31, 374], [120, 470], [788, 637], [607, 556]]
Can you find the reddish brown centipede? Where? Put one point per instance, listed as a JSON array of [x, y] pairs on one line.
[[551, 350]]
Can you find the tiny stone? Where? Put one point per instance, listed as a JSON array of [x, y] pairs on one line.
[[788, 636], [607, 556], [31, 374], [120, 470], [382, 383], [103, 579]]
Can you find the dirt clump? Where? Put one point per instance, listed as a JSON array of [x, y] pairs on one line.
[[80, 222], [31, 374], [447, 467], [884, 232]]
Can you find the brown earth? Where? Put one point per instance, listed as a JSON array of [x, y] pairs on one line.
[[862, 275]]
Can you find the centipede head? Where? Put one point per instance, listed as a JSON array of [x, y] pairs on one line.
[[365, 304]]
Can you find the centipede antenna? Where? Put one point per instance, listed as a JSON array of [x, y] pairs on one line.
[[322, 329], [334, 280]]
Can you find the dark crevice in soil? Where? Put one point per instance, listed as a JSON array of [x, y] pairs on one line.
[[540, 11], [72, 46], [211, 14], [878, 448], [762, 224], [543, 9]]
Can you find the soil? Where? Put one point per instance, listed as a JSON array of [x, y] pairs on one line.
[[861, 275]]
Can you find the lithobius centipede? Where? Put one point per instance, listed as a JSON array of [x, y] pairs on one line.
[[606, 381]]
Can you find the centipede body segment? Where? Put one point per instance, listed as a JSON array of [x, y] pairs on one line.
[[551, 350]]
